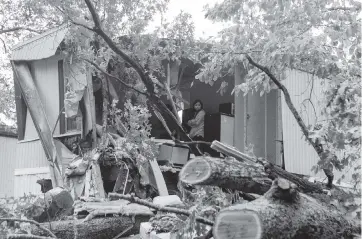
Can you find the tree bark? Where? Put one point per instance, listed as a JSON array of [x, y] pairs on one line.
[[272, 170], [98, 228], [282, 212], [226, 173]]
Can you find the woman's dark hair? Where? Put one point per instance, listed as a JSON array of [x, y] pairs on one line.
[[198, 101]]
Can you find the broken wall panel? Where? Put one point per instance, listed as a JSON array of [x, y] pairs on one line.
[[8, 150], [38, 114], [45, 76]]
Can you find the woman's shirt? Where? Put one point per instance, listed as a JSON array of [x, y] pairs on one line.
[[197, 124]]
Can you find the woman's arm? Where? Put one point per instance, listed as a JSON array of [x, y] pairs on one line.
[[198, 119]]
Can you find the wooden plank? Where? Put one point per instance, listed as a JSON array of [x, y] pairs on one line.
[[88, 178], [121, 182], [97, 179], [91, 108], [61, 96], [160, 181]]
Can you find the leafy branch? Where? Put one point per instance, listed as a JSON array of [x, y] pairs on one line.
[[29, 221], [113, 77], [159, 208], [145, 78]]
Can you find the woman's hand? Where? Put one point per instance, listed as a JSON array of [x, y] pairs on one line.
[[190, 122]]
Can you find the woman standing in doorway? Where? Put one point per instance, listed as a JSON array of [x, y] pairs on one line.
[[197, 122]]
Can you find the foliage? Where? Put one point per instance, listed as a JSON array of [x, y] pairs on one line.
[[318, 37], [167, 222], [341, 133], [16, 208], [19, 20], [204, 201], [24, 19], [7, 101], [136, 143]]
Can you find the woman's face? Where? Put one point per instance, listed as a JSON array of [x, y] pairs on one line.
[[197, 106]]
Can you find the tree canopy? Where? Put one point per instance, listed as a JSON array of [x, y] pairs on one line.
[[266, 37], [321, 38]]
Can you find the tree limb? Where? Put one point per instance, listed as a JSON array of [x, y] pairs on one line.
[[159, 208], [163, 122], [18, 29], [113, 77], [169, 93], [147, 81], [29, 221], [98, 29], [80, 24]]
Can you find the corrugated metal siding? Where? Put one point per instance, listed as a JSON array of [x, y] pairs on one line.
[[42, 46], [30, 155], [8, 151], [300, 157], [45, 75], [25, 182]]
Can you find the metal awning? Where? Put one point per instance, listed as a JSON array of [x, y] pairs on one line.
[[40, 47]]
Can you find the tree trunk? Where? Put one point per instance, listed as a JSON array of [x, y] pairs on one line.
[[282, 212], [98, 228], [226, 173], [272, 170]]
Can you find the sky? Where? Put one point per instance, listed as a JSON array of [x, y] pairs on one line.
[[203, 28]]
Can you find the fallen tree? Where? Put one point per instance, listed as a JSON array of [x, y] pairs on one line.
[[272, 170], [226, 173], [97, 228], [282, 212]]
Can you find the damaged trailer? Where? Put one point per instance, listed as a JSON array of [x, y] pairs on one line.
[[58, 108]]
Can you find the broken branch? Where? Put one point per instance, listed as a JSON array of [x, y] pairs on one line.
[[113, 77], [269, 168], [159, 208], [231, 151], [98, 29]]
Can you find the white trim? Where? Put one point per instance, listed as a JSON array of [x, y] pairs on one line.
[[72, 133], [31, 171], [27, 140]]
